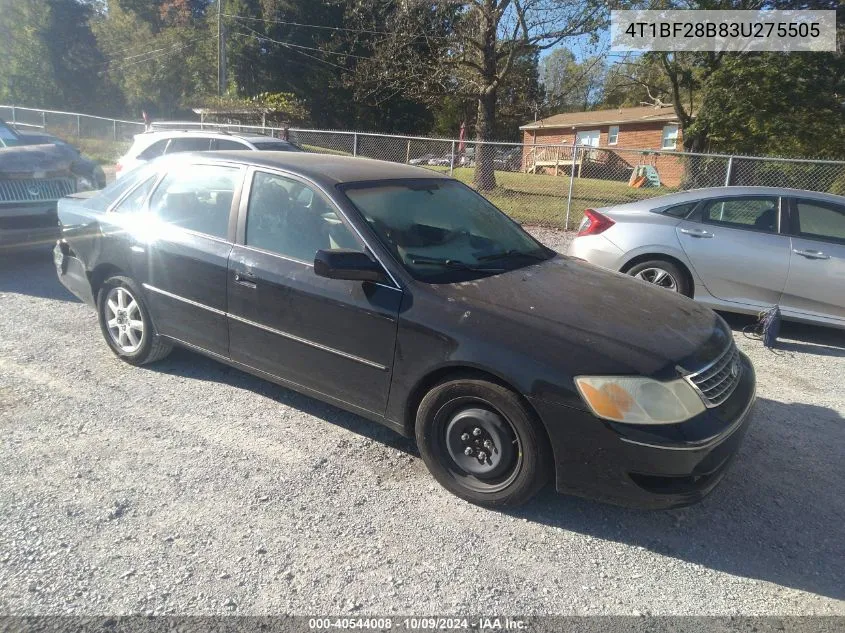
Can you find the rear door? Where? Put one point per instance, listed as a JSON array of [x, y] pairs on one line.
[[333, 336], [816, 283], [735, 245], [181, 249]]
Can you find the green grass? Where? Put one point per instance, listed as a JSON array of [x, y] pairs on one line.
[[540, 199], [103, 152]]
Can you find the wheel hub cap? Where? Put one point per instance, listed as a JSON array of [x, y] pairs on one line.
[[480, 442]]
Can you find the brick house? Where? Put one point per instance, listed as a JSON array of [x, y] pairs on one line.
[[615, 132]]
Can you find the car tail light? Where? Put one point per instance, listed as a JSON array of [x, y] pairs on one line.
[[594, 223], [118, 168]]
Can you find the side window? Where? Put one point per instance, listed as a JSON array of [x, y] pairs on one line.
[[821, 220], [197, 199], [225, 143], [291, 219], [680, 210], [189, 144], [134, 202], [154, 151], [756, 213]]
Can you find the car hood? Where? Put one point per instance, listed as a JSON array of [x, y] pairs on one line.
[[603, 321], [34, 161]]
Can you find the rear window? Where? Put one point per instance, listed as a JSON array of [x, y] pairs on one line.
[[275, 146], [154, 151], [108, 196]]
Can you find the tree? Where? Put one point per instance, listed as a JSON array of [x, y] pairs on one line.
[[570, 85], [776, 104], [464, 48], [26, 74]]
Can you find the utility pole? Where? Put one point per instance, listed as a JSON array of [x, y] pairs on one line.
[[221, 51]]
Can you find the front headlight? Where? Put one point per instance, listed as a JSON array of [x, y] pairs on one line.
[[638, 400], [83, 184]]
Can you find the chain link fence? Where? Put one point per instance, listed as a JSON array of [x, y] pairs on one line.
[[547, 185]]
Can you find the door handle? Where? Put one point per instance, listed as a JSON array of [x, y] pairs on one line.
[[246, 279], [696, 233], [811, 254]]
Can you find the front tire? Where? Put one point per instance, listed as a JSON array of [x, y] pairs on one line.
[[126, 324], [481, 442]]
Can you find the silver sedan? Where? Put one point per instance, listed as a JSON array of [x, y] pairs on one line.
[[738, 249]]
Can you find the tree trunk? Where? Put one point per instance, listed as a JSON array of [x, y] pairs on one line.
[[485, 174]]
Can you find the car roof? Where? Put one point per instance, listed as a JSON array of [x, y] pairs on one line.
[[326, 169], [252, 137], [714, 192]]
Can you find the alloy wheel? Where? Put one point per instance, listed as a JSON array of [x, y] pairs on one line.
[[123, 320], [658, 277]]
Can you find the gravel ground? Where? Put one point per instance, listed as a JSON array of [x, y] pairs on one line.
[[191, 488]]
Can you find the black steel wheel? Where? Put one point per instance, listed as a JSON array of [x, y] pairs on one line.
[[481, 442]]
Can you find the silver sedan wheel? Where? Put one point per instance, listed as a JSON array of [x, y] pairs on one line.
[[658, 277], [123, 319]]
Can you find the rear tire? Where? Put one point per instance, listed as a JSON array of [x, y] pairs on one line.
[[126, 324], [664, 274], [481, 442]]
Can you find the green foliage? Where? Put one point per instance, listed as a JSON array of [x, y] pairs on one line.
[[269, 106], [776, 104]]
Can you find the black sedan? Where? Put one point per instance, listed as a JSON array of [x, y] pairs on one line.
[[404, 296]]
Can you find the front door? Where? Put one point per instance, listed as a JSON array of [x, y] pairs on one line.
[[736, 249], [816, 283], [332, 336], [181, 251]]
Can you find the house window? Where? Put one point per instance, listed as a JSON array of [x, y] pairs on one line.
[[613, 135], [670, 136]]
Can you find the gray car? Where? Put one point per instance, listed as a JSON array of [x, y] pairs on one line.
[[738, 249]]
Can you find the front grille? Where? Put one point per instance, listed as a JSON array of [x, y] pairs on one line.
[[716, 382], [35, 189]]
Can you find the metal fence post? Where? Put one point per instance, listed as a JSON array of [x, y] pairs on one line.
[[78, 126], [452, 159], [728, 170], [13, 116], [571, 182], [43, 120], [408, 153], [114, 129], [355, 144]]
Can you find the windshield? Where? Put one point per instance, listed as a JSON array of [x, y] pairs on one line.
[[443, 231], [8, 138], [275, 146]]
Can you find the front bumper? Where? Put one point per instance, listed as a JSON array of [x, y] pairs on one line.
[[648, 467], [28, 226]]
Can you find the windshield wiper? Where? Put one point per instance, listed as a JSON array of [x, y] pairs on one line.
[[512, 253], [451, 263]]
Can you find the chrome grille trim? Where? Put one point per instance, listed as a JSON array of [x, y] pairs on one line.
[[716, 382], [46, 190]]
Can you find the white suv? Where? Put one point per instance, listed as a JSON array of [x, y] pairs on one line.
[[149, 145]]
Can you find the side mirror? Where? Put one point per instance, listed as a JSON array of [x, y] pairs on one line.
[[347, 264]]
